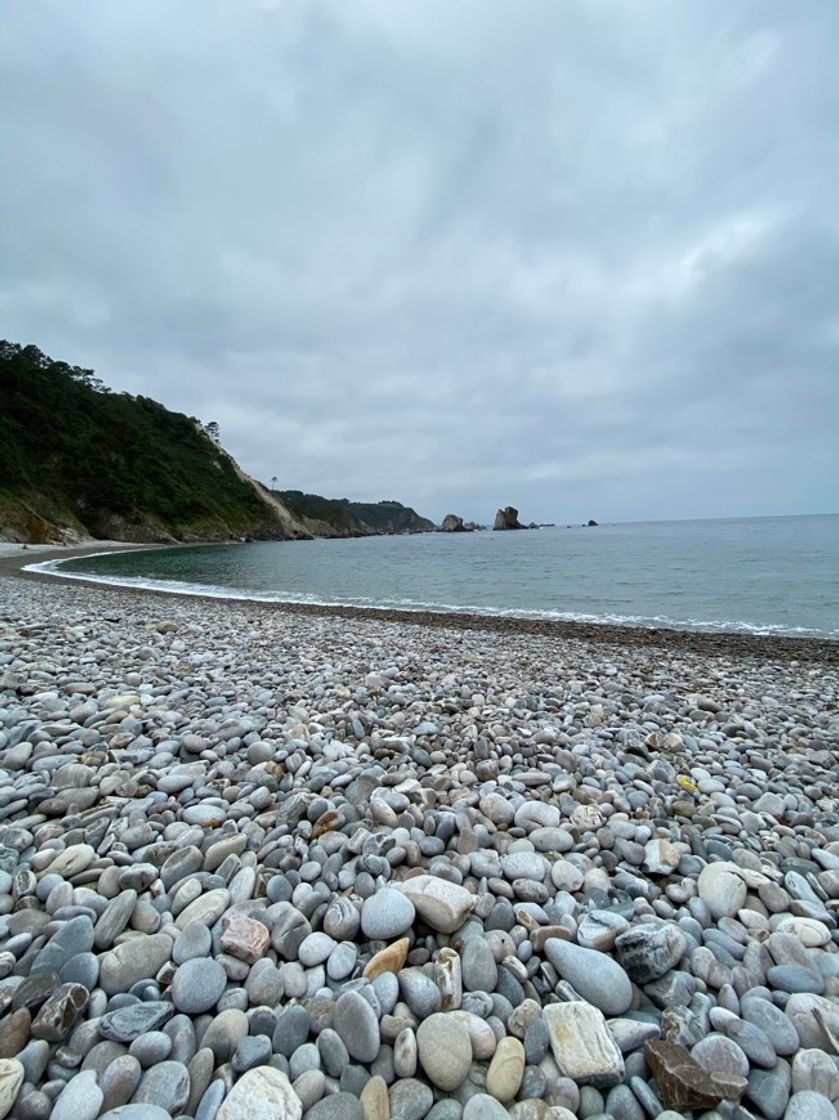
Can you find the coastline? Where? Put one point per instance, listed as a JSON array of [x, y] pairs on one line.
[[704, 643], [255, 814]]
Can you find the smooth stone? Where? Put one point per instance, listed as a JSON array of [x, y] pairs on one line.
[[11, 1079], [596, 977], [387, 914], [198, 985], [136, 1112], [165, 1085], [581, 1044], [773, 1022], [718, 1054], [337, 1106], [444, 1050], [815, 1071], [506, 1070], [478, 967], [410, 1099], [481, 1106], [722, 889], [194, 940], [442, 905], [80, 1100], [356, 1023], [375, 1104], [127, 1023], [770, 1090], [807, 1105], [263, 1093], [137, 958]]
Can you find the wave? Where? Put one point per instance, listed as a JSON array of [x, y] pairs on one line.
[[215, 591]]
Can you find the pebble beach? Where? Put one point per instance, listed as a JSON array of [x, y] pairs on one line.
[[276, 864]]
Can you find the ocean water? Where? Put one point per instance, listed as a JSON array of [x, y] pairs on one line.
[[772, 575]]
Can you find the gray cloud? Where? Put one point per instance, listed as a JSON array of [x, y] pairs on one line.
[[578, 257]]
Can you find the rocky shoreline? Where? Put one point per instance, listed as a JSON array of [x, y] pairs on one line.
[[342, 865]]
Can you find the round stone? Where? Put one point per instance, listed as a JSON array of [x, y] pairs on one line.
[[198, 985], [444, 1049], [808, 1105], [595, 976], [722, 890], [386, 914]]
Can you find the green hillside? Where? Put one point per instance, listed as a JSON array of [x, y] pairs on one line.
[[357, 518], [78, 460]]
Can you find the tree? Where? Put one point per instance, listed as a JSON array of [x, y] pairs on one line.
[[274, 483], [212, 430]]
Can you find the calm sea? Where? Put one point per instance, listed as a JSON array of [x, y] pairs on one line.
[[761, 575]]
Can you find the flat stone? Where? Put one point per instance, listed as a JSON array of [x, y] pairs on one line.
[[137, 958], [442, 905], [387, 914], [128, 1023], [581, 1044], [595, 976], [773, 1022], [263, 1093]]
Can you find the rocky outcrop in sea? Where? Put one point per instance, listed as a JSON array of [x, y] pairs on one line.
[[255, 864]]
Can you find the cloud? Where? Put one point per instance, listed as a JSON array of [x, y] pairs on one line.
[[577, 257]]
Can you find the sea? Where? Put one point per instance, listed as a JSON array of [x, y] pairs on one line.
[[761, 575]]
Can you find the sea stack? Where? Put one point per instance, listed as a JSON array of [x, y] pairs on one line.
[[507, 518]]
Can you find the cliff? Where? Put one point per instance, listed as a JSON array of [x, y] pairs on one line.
[[340, 517], [78, 462]]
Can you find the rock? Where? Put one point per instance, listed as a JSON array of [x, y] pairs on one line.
[[722, 889], [263, 1093], [647, 952], [479, 971], [375, 1104], [386, 914], [356, 1023], [581, 1044], [807, 1105], [244, 937], [444, 1050], [507, 518], [442, 905], [58, 1015], [389, 959], [338, 1106], [198, 985], [410, 1099], [506, 1070], [81, 1099], [453, 524], [138, 958], [813, 1070], [718, 1054], [595, 976], [11, 1079], [684, 1085], [127, 1023]]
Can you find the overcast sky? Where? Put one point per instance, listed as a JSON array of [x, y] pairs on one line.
[[581, 258]]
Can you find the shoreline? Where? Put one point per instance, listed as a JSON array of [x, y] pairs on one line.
[[717, 644], [287, 836]]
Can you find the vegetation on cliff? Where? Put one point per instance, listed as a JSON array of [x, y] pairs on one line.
[[356, 518], [77, 460]]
